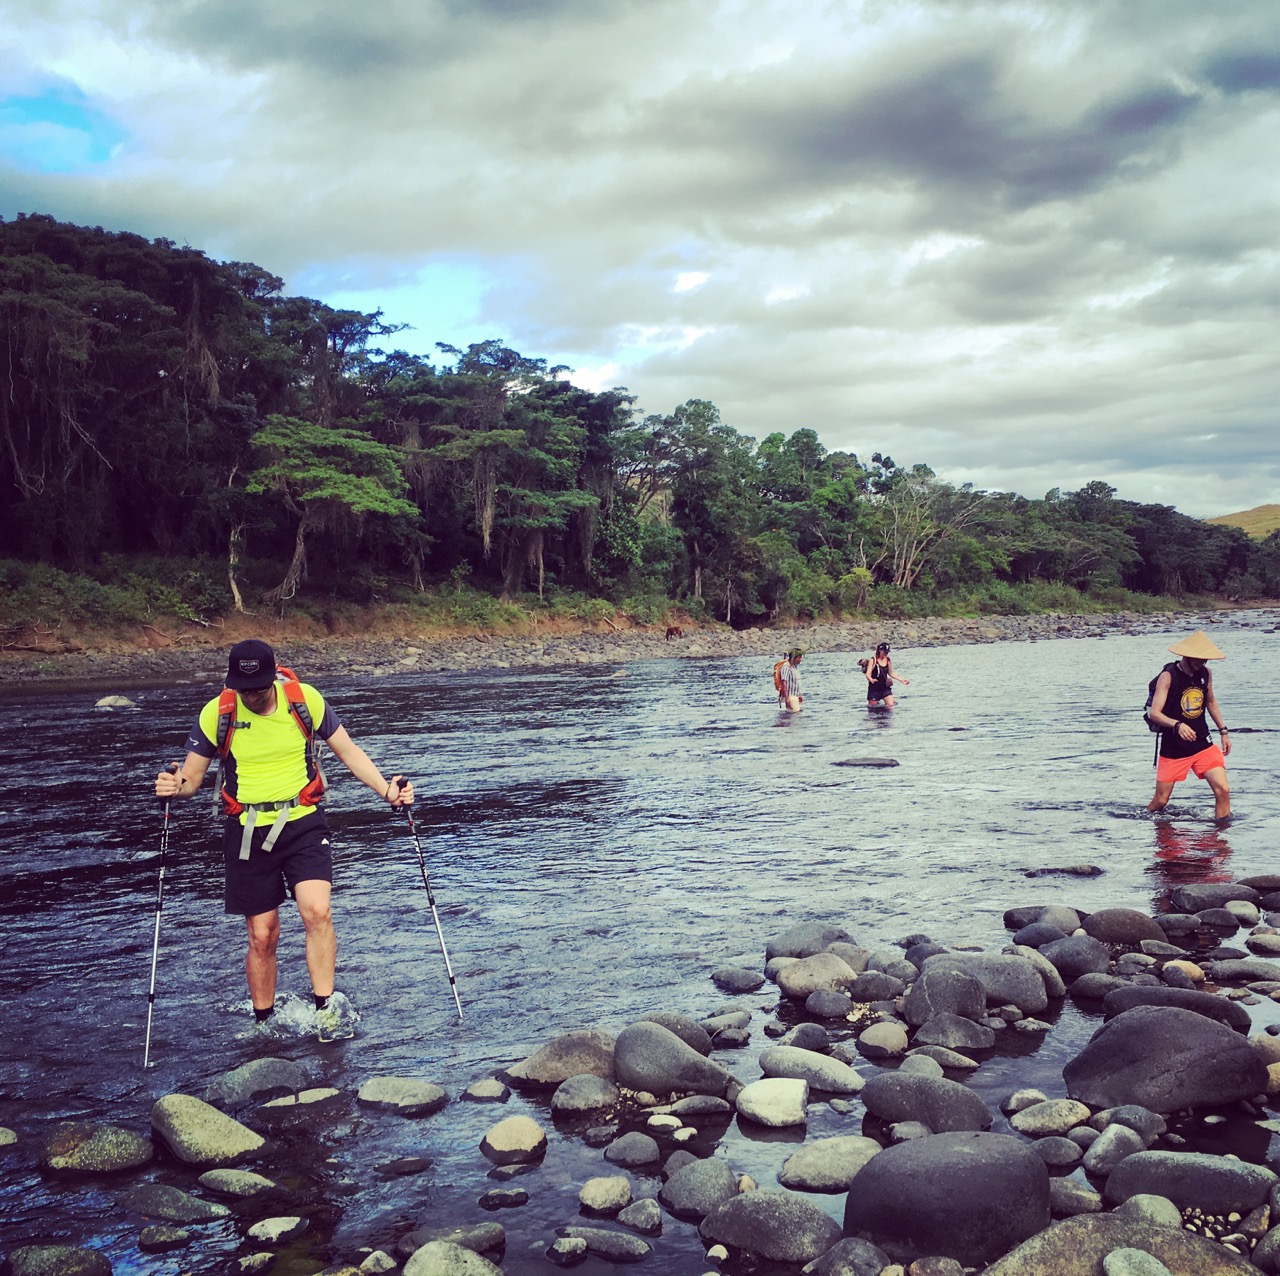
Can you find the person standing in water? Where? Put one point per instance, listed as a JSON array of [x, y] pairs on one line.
[[786, 679], [275, 841], [880, 679], [1181, 700]]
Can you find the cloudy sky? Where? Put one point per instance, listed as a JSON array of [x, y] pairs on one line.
[[1031, 244]]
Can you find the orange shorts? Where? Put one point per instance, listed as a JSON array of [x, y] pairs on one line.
[[1171, 770]]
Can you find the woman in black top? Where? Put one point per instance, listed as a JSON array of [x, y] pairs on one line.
[[880, 678]]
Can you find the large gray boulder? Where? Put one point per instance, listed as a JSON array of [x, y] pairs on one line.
[[823, 972], [1164, 1058], [968, 1196], [1231, 1013], [90, 1147], [649, 1057], [806, 938], [586, 1050], [778, 1227], [1077, 955], [775, 1102], [694, 1190], [689, 1030], [821, 1071], [1121, 926], [1006, 980], [1214, 1184], [1196, 897], [941, 991], [198, 1134], [827, 1165], [944, 1106], [584, 1093], [1077, 1247], [955, 1032], [445, 1258]]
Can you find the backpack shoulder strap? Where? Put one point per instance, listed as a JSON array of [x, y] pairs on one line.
[[226, 721], [297, 702]]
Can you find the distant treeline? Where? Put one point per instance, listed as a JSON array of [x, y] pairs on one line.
[[157, 406]]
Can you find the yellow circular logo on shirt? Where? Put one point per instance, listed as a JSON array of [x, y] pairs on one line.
[[1192, 702]]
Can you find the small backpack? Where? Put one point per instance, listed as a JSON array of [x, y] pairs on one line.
[[777, 676], [1151, 695]]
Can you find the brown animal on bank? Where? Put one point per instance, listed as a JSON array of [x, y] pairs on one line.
[[674, 631]]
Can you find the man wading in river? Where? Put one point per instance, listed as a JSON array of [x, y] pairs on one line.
[[275, 840], [1180, 701]]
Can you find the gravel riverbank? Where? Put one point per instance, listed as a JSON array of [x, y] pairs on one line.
[[186, 657]]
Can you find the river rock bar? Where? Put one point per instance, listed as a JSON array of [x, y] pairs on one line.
[[1096, 1172]]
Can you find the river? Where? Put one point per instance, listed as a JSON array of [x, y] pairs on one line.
[[599, 840]]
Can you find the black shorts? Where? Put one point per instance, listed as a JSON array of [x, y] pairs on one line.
[[267, 878]]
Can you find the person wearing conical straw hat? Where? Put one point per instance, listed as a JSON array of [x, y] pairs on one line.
[[1182, 701]]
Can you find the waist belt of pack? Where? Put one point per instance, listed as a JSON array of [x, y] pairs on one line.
[[252, 809]]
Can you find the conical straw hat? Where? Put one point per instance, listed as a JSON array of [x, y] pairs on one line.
[[1199, 646]]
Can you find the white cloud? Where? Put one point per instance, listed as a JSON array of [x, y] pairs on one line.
[[689, 280]]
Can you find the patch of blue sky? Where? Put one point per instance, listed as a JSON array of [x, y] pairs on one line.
[[443, 300], [57, 131]]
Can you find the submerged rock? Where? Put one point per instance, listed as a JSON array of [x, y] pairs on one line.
[[89, 1147], [57, 1260], [407, 1096]]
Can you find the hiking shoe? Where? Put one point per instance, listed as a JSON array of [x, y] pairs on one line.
[[337, 1021]]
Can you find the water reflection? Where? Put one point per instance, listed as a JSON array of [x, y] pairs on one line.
[[1185, 854]]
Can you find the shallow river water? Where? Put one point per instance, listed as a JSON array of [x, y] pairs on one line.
[[599, 840]]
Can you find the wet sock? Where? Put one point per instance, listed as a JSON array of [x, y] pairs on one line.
[[263, 1015], [322, 1002]]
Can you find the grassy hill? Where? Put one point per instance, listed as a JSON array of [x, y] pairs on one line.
[[1260, 521]]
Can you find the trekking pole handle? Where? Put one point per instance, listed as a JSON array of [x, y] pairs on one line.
[[173, 768]]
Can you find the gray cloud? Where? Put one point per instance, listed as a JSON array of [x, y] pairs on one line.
[[1031, 244]]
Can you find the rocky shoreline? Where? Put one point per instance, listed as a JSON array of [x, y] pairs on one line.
[[1095, 1172], [185, 657]]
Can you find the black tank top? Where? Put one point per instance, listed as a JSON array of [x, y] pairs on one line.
[[879, 686], [1187, 700]]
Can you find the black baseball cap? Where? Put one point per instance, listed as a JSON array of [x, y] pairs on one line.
[[884, 646], [251, 666]]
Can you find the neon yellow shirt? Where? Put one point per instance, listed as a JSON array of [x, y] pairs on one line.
[[267, 761]]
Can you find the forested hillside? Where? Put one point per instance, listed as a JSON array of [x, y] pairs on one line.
[[176, 425]]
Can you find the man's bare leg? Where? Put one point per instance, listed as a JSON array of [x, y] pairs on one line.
[[322, 943], [1221, 792], [1164, 791], [260, 963]]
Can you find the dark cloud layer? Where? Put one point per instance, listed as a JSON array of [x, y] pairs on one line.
[[1030, 243]]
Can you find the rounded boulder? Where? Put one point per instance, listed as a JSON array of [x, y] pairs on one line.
[[968, 1196]]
